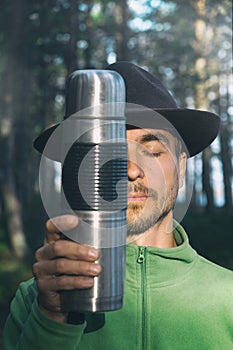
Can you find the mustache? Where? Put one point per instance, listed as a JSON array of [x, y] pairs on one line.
[[134, 188]]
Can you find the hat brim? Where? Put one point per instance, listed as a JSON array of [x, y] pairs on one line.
[[196, 128]]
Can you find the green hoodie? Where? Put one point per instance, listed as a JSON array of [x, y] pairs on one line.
[[174, 300]]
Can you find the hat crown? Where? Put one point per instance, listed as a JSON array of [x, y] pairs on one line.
[[197, 128], [143, 88]]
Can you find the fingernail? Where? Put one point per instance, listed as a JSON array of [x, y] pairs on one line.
[[89, 281], [93, 253], [95, 269]]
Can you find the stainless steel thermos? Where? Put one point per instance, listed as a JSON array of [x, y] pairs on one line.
[[94, 182]]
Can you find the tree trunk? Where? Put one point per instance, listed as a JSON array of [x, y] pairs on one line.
[[227, 167], [201, 100], [206, 156], [12, 210], [11, 107], [122, 35], [71, 54], [14, 220], [88, 36]]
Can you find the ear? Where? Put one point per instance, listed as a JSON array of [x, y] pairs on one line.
[[182, 168]]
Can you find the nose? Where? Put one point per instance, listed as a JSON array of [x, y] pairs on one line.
[[134, 171]]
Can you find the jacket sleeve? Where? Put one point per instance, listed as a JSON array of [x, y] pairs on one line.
[[27, 327]]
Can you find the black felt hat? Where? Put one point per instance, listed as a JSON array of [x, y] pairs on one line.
[[197, 128]]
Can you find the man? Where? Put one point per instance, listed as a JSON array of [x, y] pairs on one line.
[[174, 299]]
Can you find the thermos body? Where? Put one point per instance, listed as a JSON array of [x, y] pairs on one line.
[[94, 182]]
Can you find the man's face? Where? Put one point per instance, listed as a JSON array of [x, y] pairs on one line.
[[154, 177]]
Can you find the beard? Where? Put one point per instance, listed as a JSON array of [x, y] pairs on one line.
[[141, 217]]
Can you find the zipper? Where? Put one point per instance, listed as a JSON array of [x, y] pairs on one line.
[[141, 255], [141, 259]]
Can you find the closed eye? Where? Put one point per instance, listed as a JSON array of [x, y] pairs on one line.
[[151, 154]]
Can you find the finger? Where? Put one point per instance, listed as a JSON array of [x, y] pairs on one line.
[[62, 223], [61, 266], [67, 249], [64, 282], [52, 237]]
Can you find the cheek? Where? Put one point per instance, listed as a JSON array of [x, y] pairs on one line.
[[154, 174], [161, 175], [172, 174]]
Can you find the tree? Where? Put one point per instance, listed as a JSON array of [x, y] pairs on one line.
[[183, 42], [14, 103]]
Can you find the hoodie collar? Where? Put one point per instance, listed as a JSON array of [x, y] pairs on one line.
[[161, 266]]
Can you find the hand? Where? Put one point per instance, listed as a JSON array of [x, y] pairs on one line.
[[62, 265]]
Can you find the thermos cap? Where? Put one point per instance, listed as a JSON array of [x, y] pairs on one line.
[[93, 88]]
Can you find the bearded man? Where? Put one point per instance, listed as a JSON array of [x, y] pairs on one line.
[[174, 299]]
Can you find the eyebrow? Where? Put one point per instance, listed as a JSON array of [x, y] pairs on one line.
[[155, 137]]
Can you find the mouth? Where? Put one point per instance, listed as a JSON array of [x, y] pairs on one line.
[[137, 197]]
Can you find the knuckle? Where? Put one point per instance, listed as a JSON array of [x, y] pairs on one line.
[[50, 225], [40, 284], [47, 225], [59, 266], [38, 254], [73, 282], [35, 269], [57, 248], [61, 282]]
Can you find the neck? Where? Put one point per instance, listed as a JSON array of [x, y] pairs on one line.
[[160, 235]]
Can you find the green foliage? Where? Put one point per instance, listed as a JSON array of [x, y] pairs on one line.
[[12, 272]]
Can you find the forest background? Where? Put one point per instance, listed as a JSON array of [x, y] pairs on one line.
[[186, 43]]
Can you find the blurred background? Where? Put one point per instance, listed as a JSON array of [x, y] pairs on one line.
[[186, 43]]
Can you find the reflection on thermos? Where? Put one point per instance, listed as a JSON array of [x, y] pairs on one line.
[[94, 182]]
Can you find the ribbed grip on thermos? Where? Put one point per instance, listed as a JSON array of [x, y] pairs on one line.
[[94, 182]]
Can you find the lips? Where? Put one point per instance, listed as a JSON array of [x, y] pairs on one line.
[[137, 197]]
